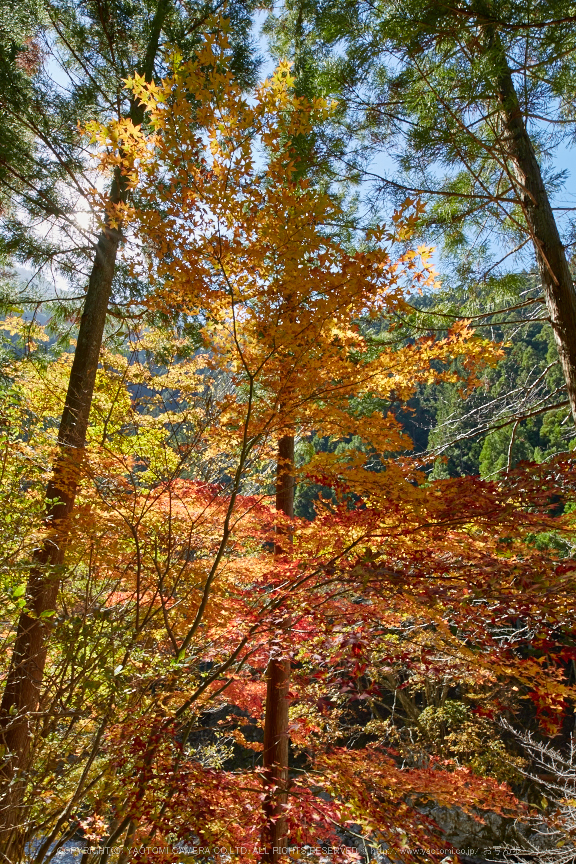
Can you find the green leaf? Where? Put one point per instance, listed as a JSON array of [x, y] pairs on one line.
[[19, 591]]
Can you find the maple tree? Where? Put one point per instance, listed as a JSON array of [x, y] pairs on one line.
[[193, 588], [144, 542], [247, 247], [281, 293]]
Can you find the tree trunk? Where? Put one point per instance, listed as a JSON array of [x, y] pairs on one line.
[[557, 283], [22, 689], [275, 756]]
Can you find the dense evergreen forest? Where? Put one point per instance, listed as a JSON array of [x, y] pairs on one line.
[[287, 406]]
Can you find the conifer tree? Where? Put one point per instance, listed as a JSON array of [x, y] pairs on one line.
[[469, 99]]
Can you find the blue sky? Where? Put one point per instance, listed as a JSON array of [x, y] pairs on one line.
[[562, 160]]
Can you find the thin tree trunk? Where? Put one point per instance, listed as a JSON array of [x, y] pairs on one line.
[[275, 756], [557, 283], [24, 681]]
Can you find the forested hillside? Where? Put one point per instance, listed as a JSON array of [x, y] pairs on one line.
[[519, 412], [287, 400]]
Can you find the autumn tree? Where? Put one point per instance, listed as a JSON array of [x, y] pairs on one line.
[[189, 578], [247, 246], [395, 585], [97, 47]]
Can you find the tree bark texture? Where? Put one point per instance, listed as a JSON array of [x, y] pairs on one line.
[[22, 690], [557, 282], [276, 741]]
